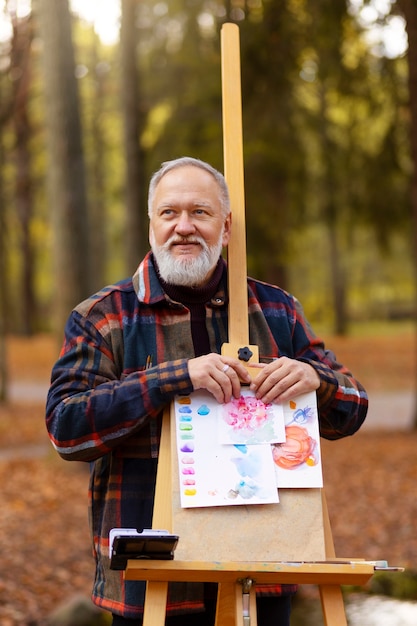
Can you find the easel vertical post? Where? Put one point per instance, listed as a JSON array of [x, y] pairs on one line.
[[157, 592], [233, 170], [230, 596]]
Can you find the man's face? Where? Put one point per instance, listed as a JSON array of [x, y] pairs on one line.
[[187, 227]]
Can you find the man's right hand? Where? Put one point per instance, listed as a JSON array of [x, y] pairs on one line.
[[220, 375]]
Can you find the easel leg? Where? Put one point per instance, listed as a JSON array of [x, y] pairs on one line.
[[226, 605], [156, 604], [253, 614], [157, 592], [332, 605], [232, 608]]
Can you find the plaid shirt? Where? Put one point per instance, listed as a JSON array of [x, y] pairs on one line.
[[123, 360]]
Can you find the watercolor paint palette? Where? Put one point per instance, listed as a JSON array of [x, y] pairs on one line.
[[216, 474]]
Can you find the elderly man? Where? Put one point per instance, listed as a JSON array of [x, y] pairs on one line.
[[133, 346]]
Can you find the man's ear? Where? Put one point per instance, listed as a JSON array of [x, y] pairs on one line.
[[227, 230]]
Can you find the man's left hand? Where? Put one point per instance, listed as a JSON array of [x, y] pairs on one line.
[[284, 379]]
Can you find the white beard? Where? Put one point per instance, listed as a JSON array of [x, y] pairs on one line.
[[185, 270]]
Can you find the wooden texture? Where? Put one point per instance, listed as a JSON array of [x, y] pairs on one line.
[[332, 602], [330, 595], [233, 171], [162, 516], [227, 603], [324, 573], [157, 591]]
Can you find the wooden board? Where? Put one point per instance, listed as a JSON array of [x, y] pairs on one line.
[[291, 530]]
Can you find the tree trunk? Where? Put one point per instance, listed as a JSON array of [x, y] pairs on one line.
[[3, 282], [409, 9], [338, 283], [330, 213], [20, 67], [133, 125], [98, 195], [66, 160]]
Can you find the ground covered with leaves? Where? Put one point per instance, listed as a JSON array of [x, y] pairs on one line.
[[44, 541]]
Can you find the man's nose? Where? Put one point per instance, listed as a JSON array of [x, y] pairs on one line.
[[184, 224]]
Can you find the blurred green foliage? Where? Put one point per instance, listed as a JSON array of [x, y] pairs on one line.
[[326, 141]]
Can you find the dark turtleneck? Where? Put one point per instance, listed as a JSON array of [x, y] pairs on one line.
[[195, 299]]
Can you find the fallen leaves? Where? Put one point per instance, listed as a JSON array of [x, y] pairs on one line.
[[370, 486], [44, 540]]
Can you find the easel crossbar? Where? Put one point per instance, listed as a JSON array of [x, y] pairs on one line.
[[322, 573]]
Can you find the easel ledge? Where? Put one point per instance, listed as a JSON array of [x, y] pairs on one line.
[[235, 583], [344, 572]]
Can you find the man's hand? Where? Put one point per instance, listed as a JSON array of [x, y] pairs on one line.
[[220, 375], [284, 379]]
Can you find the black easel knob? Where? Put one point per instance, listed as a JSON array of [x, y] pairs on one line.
[[244, 354]]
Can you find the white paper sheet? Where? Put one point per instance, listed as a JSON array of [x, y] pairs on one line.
[[298, 460], [212, 473]]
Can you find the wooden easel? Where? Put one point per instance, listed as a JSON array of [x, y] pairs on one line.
[[236, 604]]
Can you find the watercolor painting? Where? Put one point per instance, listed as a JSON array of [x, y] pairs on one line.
[[243, 452], [216, 474], [298, 459], [248, 420]]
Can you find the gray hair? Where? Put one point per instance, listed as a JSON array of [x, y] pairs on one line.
[[168, 166]]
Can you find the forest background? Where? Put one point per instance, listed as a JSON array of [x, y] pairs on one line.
[[328, 131], [330, 145]]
